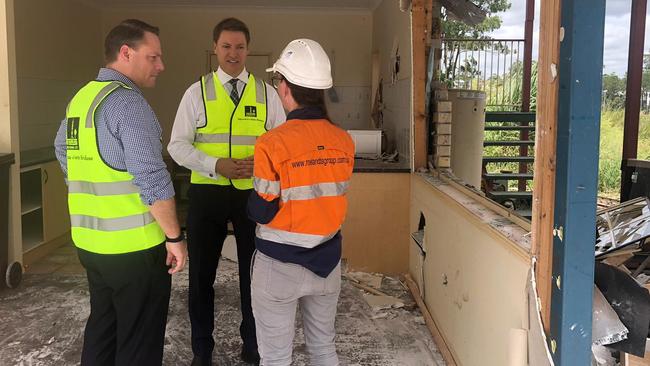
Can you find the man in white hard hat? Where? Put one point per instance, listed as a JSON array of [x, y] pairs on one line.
[[214, 133], [301, 175]]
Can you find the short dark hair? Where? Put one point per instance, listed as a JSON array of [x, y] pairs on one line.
[[307, 97], [233, 25], [129, 32]]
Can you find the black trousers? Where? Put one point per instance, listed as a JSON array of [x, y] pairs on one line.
[[129, 299], [211, 207]]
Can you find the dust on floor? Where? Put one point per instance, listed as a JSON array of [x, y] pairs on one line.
[[42, 321]]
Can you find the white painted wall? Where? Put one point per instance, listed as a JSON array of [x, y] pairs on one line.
[[58, 49], [392, 31], [9, 142], [186, 34]]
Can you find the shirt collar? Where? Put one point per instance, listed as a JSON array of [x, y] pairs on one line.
[[225, 78], [106, 74], [306, 113]]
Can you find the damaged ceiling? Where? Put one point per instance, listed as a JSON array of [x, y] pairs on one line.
[[464, 11]]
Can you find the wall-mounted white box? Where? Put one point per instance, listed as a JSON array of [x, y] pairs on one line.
[[367, 143]]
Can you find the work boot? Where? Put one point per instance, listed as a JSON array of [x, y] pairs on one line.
[[250, 357], [201, 361]]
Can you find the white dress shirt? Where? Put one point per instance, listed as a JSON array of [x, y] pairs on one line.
[[191, 115]]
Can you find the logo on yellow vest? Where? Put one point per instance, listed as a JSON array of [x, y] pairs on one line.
[[250, 111], [72, 134]]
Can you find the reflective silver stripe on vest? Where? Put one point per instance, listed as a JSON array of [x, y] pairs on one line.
[[243, 140], [286, 237], [314, 191], [210, 93], [259, 91], [212, 137], [102, 189], [224, 138], [98, 99], [266, 186], [115, 224]]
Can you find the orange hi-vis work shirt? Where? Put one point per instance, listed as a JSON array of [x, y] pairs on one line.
[[306, 165]]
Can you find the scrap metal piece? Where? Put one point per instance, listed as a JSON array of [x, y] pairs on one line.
[[622, 225], [630, 301], [607, 328]]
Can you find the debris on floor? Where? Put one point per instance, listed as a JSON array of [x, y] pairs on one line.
[[45, 316], [368, 279], [382, 302], [622, 271]]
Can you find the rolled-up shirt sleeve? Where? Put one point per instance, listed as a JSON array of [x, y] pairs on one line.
[[141, 136], [181, 143]]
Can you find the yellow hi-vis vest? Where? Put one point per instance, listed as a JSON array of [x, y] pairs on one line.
[[106, 213], [230, 130]]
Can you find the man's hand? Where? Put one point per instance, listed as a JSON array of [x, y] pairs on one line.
[[235, 168], [245, 167], [176, 256]]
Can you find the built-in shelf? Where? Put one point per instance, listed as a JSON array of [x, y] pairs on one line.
[[32, 225], [29, 207]]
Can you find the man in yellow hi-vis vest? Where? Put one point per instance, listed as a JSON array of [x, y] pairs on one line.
[[121, 202], [214, 134]]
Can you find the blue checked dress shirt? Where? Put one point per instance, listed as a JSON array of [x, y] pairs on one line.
[[130, 138]]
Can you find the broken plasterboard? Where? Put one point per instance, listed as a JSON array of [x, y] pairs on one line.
[[369, 279], [382, 302]]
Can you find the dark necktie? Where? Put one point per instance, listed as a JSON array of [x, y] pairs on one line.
[[234, 95]]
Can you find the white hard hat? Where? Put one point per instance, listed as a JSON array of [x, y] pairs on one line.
[[304, 62]]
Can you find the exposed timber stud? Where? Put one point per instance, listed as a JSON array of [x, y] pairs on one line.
[[545, 144], [419, 42]]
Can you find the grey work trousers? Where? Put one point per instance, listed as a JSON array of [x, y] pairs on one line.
[[277, 288]]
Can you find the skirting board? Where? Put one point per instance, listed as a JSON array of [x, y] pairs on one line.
[[433, 328]]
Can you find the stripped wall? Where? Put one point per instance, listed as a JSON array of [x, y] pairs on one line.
[[186, 34], [392, 37], [474, 275]]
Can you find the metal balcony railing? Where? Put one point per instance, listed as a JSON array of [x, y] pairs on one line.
[[494, 66]]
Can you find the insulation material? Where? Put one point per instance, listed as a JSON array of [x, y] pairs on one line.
[[606, 326]]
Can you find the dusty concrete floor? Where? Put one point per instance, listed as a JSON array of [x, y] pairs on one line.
[[42, 321]]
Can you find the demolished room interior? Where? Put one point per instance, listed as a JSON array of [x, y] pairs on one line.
[[467, 257]]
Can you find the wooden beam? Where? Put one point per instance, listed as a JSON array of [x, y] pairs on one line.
[[431, 324], [419, 36], [9, 138], [545, 147], [576, 179], [428, 17]]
